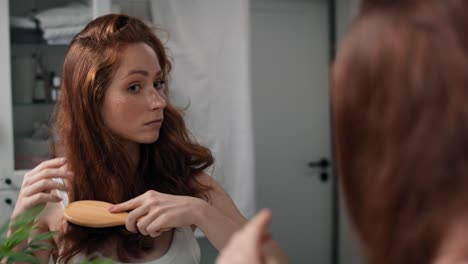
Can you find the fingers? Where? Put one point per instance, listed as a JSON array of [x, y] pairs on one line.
[[138, 214], [151, 224], [53, 168], [140, 207], [257, 226], [126, 206], [43, 186], [247, 240], [53, 163], [158, 226], [143, 223], [148, 221], [149, 213], [37, 187], [41, 198], [254, 233], [48, 173]]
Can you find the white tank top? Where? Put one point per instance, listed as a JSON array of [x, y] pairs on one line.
[[184, 249]]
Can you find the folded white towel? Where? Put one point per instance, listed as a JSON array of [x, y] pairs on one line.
[[62, 194], [72, 14], [22, 22], [62, 32], [60, 41]]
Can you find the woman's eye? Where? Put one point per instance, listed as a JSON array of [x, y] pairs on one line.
[[159, 84], [134, 88]]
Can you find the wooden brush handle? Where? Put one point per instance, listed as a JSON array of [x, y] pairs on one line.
[[95, 214]]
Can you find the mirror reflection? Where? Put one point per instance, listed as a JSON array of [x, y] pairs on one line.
[[222, 106]]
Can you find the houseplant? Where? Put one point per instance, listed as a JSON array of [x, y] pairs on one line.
[[28, 245]]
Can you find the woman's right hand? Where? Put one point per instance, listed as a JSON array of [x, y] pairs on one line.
[[247, 244], [38, 187]]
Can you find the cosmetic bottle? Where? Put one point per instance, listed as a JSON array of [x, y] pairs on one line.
[[56, 88], [39, 92]]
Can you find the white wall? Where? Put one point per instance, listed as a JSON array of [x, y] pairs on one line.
[[6, 131]]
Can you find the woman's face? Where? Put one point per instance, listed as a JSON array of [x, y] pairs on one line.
[[134, 102]]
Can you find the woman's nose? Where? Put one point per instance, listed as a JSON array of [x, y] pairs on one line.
[[157, 100]]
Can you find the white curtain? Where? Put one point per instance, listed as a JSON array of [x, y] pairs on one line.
[[209, 43]]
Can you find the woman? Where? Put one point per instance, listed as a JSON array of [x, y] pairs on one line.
[[400, 113], [122, 141]]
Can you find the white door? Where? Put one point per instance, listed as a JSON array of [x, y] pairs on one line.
[[290, 103]]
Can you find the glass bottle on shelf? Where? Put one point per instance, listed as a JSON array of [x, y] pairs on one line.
[[40, 85], [52, 88], [56, 86]]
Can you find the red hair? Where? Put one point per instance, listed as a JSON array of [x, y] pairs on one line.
[[400, 116], [101, 166]]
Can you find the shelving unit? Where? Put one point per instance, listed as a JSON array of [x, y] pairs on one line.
[[18, 113], [27, 114]]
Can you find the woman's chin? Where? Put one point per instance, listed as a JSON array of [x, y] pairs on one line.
[[148, 140]]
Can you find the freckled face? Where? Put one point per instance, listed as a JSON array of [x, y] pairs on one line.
[[134, 102]]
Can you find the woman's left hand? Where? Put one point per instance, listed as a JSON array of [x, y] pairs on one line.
[[153, 212]]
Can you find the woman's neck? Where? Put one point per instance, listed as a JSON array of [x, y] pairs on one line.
[[133, 151]]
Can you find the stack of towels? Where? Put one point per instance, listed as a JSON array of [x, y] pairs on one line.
[[60, 24]]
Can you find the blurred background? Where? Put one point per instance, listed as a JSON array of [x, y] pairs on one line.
[[254, 74]]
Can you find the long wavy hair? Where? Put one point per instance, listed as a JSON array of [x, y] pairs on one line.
[[103, 170], [400, 117]]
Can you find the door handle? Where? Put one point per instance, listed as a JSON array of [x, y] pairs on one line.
[[323, 165]]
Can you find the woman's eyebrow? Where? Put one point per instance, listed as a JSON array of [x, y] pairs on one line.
[[143, 72], [136, 71]]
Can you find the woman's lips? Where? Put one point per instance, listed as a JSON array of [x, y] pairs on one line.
[[154, 123]]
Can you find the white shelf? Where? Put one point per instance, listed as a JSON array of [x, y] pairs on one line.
[[18, 174], [6, 121], [24, 114]]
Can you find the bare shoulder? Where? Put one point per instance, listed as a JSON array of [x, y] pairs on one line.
[[208, 181], [215, 190], [219, 198]]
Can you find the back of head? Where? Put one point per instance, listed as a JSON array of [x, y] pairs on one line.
[[400, 116], [386, 4]]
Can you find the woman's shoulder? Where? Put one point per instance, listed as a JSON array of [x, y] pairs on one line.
[[207, 180], [213, 188]]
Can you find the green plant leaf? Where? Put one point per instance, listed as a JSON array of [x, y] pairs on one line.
[[3, 230], [16, 248], [96, 261], [19, 256], [22, 226], [27, 218], [19, 236], [43, 236], [38, 246]]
